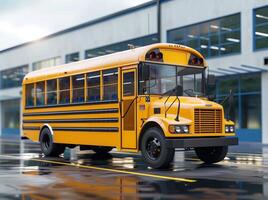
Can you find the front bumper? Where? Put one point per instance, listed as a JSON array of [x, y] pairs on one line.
[[201, 142]]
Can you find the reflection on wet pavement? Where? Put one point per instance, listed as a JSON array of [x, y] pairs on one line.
[[26, 174]]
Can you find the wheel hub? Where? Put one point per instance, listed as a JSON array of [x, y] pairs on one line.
[[153, 148]]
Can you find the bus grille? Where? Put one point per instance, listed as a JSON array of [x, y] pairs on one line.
[[208, 121]]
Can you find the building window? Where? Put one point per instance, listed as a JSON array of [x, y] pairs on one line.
[[251, 109], [46, 63], [40, 93], [64, 90], [121, 46], [52, 91], [212, 38], [78, 88], [246, 110], [13, 77], [73, 57], [260, 27], [110, 86], [11, 119], [30, 94], [93, 86]]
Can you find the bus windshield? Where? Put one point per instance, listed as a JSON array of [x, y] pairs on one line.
[[161, 78]]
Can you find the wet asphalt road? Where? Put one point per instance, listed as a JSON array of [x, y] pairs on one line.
[[26, 174]]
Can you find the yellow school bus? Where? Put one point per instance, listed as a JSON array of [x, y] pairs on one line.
[[150, 99]]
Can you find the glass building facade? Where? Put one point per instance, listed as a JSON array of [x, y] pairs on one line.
[[10, 117], [46, 63], [260, 22], [246, 111], [72, 57], [212, 38], [13, 77], [121, 46]]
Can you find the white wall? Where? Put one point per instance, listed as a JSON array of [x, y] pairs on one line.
[[0, 120], [125, 27], [264, 104], [12, 93]]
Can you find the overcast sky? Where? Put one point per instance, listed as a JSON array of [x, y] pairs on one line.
[[26, 20]]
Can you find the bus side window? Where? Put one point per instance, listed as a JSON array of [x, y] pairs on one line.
[[40, 93], [30, 94], [110, 79], [52, 91], [93, 86], [64, 90], [78, 88]]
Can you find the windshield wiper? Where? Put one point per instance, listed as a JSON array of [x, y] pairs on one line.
[[176, 89]]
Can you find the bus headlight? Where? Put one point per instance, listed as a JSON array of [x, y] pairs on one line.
[[179, 128], [229, 129], [226, 129]]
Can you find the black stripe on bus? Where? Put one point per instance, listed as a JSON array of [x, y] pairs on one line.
[[97, 111], [30, 128], [72, 104], [90, 129], [71, 120], [87, 129]]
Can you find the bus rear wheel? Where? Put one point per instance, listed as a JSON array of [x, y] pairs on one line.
[[48, 147], [101, 150], [211, 155], [154, 149]]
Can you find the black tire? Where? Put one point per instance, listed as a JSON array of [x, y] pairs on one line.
[[154, 149], [101, 150], [211, 155], [48, 147]]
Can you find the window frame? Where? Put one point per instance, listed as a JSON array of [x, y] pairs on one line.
[[15, 69], [26, 95], [219, 35], [46, 92], [64, 90], [78, 88], [96, 86], [110, 84], [239, 94], [70, 77], [36, 93], [254, 30], [67, 57]]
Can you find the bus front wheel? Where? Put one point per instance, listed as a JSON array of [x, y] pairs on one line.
[[48, 147], [154, 149], [211, 155]]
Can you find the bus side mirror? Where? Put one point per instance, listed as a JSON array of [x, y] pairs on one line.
[[211, 87], [144, 72], [211, 80]]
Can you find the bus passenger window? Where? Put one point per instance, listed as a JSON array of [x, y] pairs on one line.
[[30, 95], [78, 88], [40, 93], [64, 90], [52, 91], [93, 86], [110, 78]]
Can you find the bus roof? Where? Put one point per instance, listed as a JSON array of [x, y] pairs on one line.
[[128, 57]]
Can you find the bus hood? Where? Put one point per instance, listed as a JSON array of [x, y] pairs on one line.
[[187, 106]]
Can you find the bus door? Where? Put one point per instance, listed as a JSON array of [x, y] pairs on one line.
[[129, 109]]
